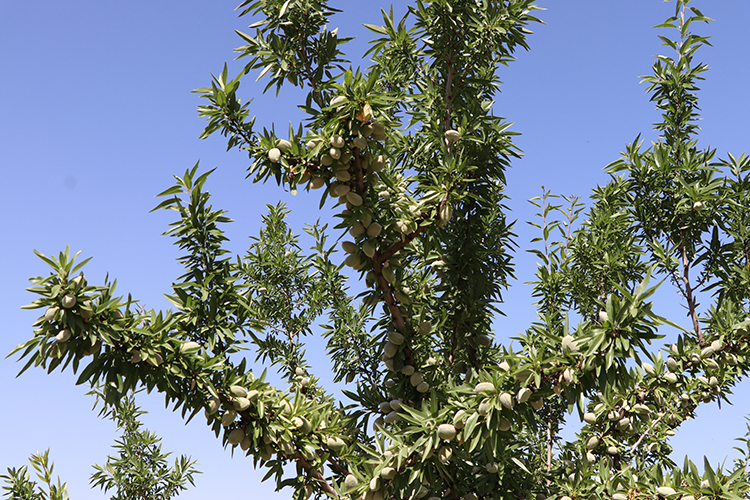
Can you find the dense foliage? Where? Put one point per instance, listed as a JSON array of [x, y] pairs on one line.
[[410, 158]]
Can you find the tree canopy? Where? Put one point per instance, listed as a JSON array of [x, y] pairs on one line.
[[410, 157]]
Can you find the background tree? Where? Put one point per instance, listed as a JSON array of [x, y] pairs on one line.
[[140, 471], [461, 416], [20, 486]]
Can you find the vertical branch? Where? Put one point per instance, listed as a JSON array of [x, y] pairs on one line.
[[689, 295]]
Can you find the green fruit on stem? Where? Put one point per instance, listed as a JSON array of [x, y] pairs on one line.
[[452, 136], [51, 312], [341, 190], [388, 473], [488, 387], [274, 155], [241, 404], [506, 399], [235, 437], [374, 229], [64, 335], [283, 145], [569, 344], [390, 349], [592, 443], [396, 338], [665, 491], [228, 417], [446, 432], [368, 249], [350, 482], [335, 444], [484, 407], [68, 301], [537, 404], [213, 405], [523, 394], [238, 391], [354, 199], [337, 100]]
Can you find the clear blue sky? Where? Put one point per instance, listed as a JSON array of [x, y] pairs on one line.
[[98, 116]]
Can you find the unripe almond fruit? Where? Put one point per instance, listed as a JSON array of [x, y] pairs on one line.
[[51, 312], [335, 444], [68, 301], [238, 391], [392, 417], [64, 335], [241, 404], [373, 230], [368, 249], [189, 347], [423, 387], [350, 482], [484, 387], [213, 405], [665, 491], [341, 190], [274, 154], [592, 443], [503, 424], [569, 344], [672, 364], [484, 407], [388, 473], [523, 394], [354, 199], [452, 136], [506, 399], [648, 368], [396, 338], [603, 316], [589, 418], [357, 228], [235, 437], [283, 145], [537, 404], [444, 455], [246, 443], [338, 99], [317, 183], [87, 311], [446, 432], [388, 274], [228, 417]]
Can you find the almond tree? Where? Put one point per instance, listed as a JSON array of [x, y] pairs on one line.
[[410, 158]]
